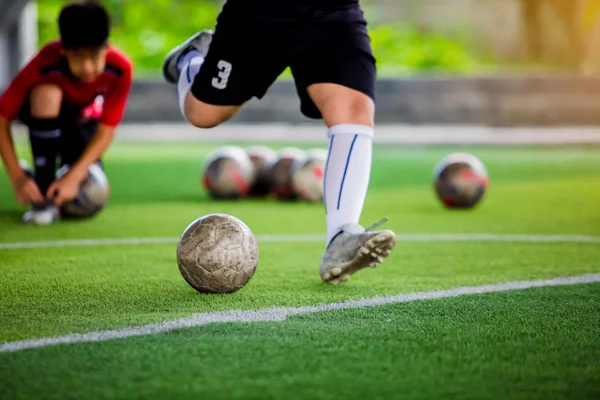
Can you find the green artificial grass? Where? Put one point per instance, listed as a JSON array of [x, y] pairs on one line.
[[532, 344], [538, 343]]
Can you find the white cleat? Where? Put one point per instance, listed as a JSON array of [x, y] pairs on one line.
[[353, 249], [43, 216], [200, 41]]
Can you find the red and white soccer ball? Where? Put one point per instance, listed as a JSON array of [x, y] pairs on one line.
[[228, 173], [262, 157], [460, 180], [307, 175], [281, 172]]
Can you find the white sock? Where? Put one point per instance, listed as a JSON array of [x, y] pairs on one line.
[[188, 72], [347, 174]]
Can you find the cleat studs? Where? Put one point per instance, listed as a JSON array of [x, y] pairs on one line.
[[336, 271], [364, 250], [380, 259]]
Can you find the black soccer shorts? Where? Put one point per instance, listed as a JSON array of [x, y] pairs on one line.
[[251, 47]]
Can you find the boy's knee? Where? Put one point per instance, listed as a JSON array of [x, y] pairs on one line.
[[46, 101]]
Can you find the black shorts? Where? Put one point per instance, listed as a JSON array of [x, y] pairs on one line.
[[76, 133], [252, 46]]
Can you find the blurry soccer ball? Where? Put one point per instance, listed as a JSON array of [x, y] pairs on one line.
[[307, 175], [228, 173], [262, 157], [217, 253], [93, 194], [281, 172], [460, 180]]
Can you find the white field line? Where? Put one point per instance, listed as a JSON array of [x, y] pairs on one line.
[[280, 314], [442, 237]]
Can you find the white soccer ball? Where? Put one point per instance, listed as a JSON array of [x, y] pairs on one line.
[[307, 175], [262, 157], [93, 194], [228, 173], [217, 253], [281, 172]]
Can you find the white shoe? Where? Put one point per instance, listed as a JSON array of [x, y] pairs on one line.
[[43, 216], [199, 41], [353, 249]]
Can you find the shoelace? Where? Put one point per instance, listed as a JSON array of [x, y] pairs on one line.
[[376, 224]]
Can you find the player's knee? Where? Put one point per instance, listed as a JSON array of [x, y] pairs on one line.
[[343, 111], [46, 101], [341, 105], [206, 116], [204, 121]]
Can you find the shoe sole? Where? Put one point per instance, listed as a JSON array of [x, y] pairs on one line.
[[371, 253], [172, 55]]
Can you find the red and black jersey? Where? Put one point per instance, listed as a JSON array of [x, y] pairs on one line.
[[104, 98]]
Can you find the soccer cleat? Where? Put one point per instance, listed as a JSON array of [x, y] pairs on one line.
[[200, 42], [42, 216], [353, 249]]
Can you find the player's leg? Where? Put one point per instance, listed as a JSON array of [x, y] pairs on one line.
[[43, 120], [217, 73], [349, 115], [181, 66], [336, 82]]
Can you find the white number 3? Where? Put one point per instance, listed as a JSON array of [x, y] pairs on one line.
[[223, 76]]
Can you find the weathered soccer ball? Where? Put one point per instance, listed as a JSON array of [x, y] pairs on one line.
[[92, 197], [281, 172], [262, 157], [228, 173], [217, 253], [460, 180], [307, 175]]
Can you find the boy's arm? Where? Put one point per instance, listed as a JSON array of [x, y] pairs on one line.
[[11, 101], [7, 151], [67, 187], [26, 190]]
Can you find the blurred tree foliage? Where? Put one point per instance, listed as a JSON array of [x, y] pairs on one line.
[[147, 30]]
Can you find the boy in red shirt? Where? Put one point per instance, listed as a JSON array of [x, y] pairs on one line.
[[71, 96]]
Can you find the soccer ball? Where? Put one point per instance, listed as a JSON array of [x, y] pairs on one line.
[[281, 172], [93, 194], [460, 180], [228, 173], [217, 253], [261, 157], [307, 175]]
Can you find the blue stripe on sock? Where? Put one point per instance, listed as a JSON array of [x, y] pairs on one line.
[[189, 78], [345, 171], [325, 176]]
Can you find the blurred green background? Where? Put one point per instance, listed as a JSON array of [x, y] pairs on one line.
[[408, 36]]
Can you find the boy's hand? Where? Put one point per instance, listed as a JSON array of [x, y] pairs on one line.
[[27, 191], [64, 189]]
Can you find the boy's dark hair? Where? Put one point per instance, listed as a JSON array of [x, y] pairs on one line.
[[83, 24]]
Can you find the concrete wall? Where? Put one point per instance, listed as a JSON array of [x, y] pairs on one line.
[[494, 101]]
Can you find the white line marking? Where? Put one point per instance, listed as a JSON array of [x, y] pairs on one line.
[[442, 237], [280, 314]]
